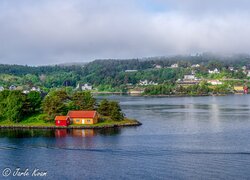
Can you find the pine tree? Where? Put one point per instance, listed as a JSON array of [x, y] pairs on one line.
[[104, 108], [83, 101], [116, 113]]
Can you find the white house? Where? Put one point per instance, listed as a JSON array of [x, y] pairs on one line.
[[189, 77], [35, 89], [215, 71], [174, 66], [26, 91], [146, 83], [84, 87], [158, 66], [195, 65]]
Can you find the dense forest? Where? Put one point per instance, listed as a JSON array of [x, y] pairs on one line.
[[17, 106], [111, 75]]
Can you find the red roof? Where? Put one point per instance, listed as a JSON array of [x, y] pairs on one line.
[[81, 114], [61, 118]]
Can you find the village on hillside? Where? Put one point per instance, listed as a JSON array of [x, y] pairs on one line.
[[134, 77]]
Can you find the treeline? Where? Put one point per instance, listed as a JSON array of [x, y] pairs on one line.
[[16, 106], [111, 74]]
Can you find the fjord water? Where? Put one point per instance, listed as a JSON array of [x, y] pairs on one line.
[[181, 138]]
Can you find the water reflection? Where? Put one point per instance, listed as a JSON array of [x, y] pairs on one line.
[[58, 133]]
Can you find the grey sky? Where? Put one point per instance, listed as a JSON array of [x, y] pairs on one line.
[[55, 31]]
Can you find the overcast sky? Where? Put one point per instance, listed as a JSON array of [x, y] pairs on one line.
[[55, 31]]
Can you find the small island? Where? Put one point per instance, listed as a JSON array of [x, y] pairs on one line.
[[56, 111]]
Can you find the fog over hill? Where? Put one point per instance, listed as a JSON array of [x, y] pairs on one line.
[[53, 32]]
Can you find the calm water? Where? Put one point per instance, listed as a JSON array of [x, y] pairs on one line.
[[181, 138]]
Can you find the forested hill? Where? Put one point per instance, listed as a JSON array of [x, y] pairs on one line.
[[113, 73], [19, 70]]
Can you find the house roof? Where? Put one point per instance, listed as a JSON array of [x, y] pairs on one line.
[[81, 114], [61, 118]]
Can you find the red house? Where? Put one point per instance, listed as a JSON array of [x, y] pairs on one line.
[[62, 120], [245, 90]]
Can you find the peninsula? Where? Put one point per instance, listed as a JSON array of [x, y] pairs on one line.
[[60, 109]]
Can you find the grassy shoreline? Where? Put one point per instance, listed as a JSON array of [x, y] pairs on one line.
[[38, 122]]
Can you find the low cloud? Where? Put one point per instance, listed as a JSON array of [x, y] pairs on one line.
[[53, 31]]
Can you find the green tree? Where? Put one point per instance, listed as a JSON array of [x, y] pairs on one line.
[[34, 99], [3, 103], [83, 100], [14, 106], [116, 113], [104, 108], [55, 103]]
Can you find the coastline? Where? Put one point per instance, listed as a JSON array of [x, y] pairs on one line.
[[167, 95], [161, 95], [186, 95], [95, 126]]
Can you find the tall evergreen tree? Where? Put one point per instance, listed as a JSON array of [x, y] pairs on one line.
[[83, 100], [55, 103], [116, 113], [104, 108]]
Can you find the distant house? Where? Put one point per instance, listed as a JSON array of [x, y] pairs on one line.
[[188, 80], [1, 88], [215, 71], [174, 66], [84, 87], [158, 66], [245, 89], [195, 66], [26, 91], [62, 121], [241, 89], [231, 68], [37, 89], [189, 77], [215, 82], [83, 117], [146, 83], [12, 87]]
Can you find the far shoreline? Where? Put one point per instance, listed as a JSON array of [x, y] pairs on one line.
[[165, 95]]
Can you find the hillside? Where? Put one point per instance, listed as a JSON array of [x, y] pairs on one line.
[[113, 74]]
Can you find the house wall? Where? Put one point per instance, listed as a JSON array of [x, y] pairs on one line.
[[86, 120], [61, 123]]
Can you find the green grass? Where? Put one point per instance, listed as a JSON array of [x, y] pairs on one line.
[[35, 120], [38, 120]]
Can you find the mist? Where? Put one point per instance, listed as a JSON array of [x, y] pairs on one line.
[[57, 31]]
